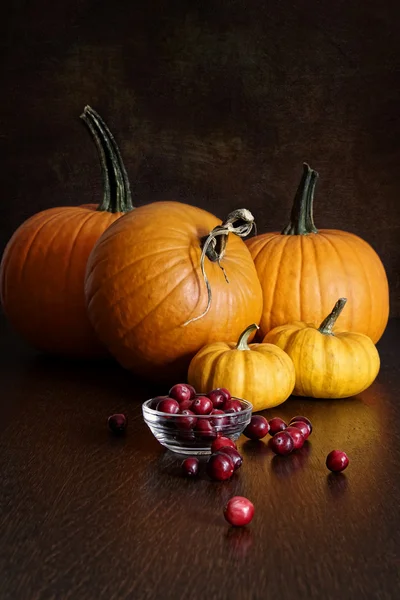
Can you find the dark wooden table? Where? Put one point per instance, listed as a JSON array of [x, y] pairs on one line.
[[87, 516]]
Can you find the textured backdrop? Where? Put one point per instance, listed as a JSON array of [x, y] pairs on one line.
[[214, 103]]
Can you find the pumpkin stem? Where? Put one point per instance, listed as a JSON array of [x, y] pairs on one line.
[[116, 190], [244, 337], [328, 323], [240, 222], [301, 218]]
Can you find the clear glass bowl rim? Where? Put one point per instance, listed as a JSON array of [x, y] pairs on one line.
[[152, 411]]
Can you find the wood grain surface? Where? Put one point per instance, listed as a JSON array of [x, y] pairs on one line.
[[84, 515], [214, 103]]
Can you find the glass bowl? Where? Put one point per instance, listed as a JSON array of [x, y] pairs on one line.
[[177, 434]]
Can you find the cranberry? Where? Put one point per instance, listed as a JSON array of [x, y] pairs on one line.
[[168, 405], [180, 392], [225, 392], [117, 423], [296, 435], [234, 454], [190, 467], [232, 405], [337, 461], [206, 428], [257, 428], [220, 466], [239, 511], [276, 424], [217, 398], [185, 405], [219, 422], [220, 442], [192, 391], [188, 421], [281, 443], [304, 428], [202, 405], [156, 400], [304, 419]]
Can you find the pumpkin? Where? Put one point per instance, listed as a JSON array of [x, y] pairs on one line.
[[303, 271], [327, 365], [43, 266], [168, 279], [261, 373]]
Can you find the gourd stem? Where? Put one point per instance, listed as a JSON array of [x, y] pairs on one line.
[[116, 189], [244, 337], [328, 323], [301, 218]]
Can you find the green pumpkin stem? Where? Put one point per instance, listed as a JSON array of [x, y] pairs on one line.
[[244, 337], [301, 218], [327, 324], [116, 190]]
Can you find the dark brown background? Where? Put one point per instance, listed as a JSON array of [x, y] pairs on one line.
[[213, 103]]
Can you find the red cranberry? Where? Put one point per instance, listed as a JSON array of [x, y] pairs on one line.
[[206, 428], [304, 428], [220, 466], [180, 392], [217, 398], [257, 428], [156, 400], [281, 443], [190, 467], [276, 424], [185, 405], [220, 442], [296, 435], [219, 422], [117, 423], [202, 405], [225, 392], [232, 405], [304, 419], [168, 405], [192, 391], [337, 461], [188, 421], [236, 457], [239, 511]]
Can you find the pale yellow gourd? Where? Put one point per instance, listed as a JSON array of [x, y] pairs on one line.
[[327, 364]]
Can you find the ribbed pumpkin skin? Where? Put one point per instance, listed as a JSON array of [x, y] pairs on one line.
[[264, 375], [42, 279], [302, 275], [144, 281], [327, 366]]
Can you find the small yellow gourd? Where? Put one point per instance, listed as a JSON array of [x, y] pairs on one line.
[[263, 374], [327, 364]]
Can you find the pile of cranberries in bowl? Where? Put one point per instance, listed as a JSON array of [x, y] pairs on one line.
[[187, 422]]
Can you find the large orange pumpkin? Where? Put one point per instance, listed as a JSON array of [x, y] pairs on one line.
[[303, 271], [43, 266], [146, 294]]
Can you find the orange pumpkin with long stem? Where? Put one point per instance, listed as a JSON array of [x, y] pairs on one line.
[[43, 266], [303, 271]]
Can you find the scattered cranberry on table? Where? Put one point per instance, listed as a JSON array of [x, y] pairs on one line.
[[202, 405], [281, 443], [220, 442], [180, 392], [304, 428], [296, 435], [234, 454], [217, 398], [220, 467], [276, 424], [257, 428], [117, 423], [239, 511], [168, 405], [304, 419], [190, 467], [337, 461]]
